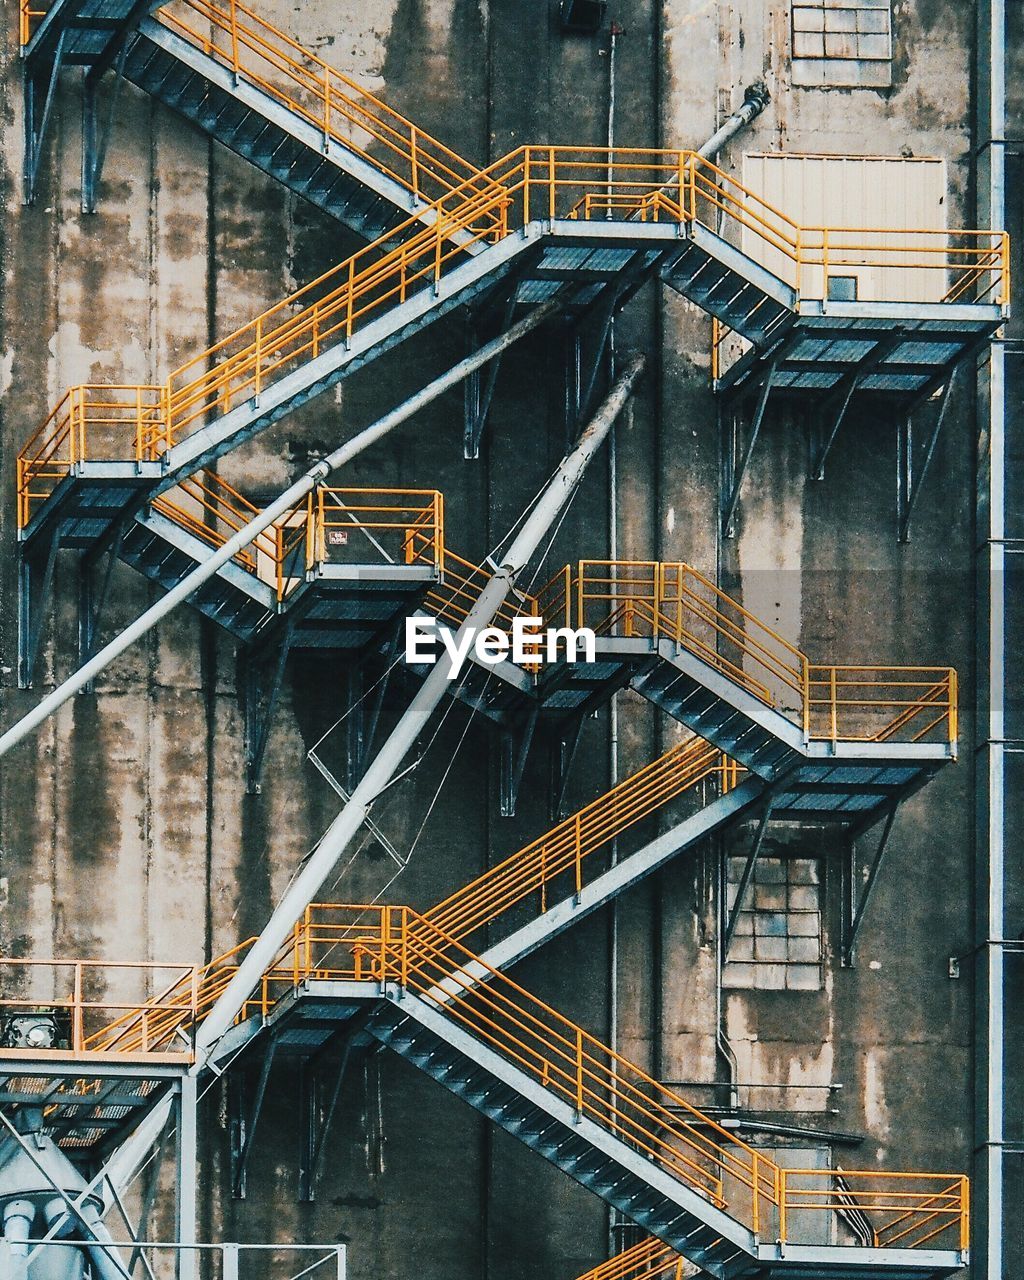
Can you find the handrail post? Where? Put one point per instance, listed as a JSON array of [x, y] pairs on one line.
[[954, 709], [824, 263], [77, 1025], [965, 1214], [781, 1176], [755, 1221], [834, 706], [526, 187], [404, 972], [327, 109], [234, 40], [414, 161], [578, 842], [138, 425], [805, 678], [257, 384], [551, 183], [579, 1074], [350, 303]]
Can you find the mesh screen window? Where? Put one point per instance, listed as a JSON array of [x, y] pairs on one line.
[[777, 945]]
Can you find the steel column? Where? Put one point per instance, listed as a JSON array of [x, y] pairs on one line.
[[187, 1176]]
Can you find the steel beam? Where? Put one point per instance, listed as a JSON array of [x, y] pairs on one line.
[[187, 1176]]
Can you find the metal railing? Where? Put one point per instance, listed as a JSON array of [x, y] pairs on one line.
[[218, 1261], [649, 1259], [531, 183], [559, 856], [396, 946], [674, 601], [75, 993], [344, 112], [396, 525], [98, 423]]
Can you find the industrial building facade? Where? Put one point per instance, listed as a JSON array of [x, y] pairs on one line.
[[687, 323]]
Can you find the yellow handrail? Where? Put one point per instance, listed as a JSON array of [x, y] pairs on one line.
[[561, 851], [649, 1259], [484, 209], [675, 602], [395, 945]]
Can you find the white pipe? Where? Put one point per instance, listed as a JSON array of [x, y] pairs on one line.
[[385, 764], [755, 99], [280, 507]]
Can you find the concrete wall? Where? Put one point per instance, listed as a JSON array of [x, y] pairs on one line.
[[126, 832]]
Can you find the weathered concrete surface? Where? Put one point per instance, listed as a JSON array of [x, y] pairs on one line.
[[125, 830]]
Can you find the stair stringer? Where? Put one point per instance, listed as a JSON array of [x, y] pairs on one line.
[[678, 1205]]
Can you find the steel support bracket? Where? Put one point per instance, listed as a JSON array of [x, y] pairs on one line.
[[477, 403], [734, 474], [316, 1120], [908, 485], [563, 757], [259, 697], [35, 579], [855, 906], [96, 134], [515, 747], [90, 606], [731, 915], [37, 121], [244, 1121], [839, 400]]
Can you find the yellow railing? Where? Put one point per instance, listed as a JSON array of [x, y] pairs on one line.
[[389, 521], [338, 107], [532, 183], [649, 1259], [75, 993], [397, 946], [342, 111], [558, 857], [675, 602], [99, 423]]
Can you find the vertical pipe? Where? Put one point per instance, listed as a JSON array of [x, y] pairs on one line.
[[989, 1030], [188, 1159]]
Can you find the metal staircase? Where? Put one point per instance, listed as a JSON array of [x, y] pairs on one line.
[[705, 1194], [529, 228], [720, 1203], [257, 92]]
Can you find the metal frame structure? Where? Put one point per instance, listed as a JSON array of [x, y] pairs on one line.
[[532, 232]]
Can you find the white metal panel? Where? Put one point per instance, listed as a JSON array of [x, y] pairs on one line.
[[899, 204]]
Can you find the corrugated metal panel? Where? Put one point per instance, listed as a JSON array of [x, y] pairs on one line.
[[886, 194]]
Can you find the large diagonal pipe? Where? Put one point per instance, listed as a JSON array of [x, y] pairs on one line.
[[386, 763], [278, 508]]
